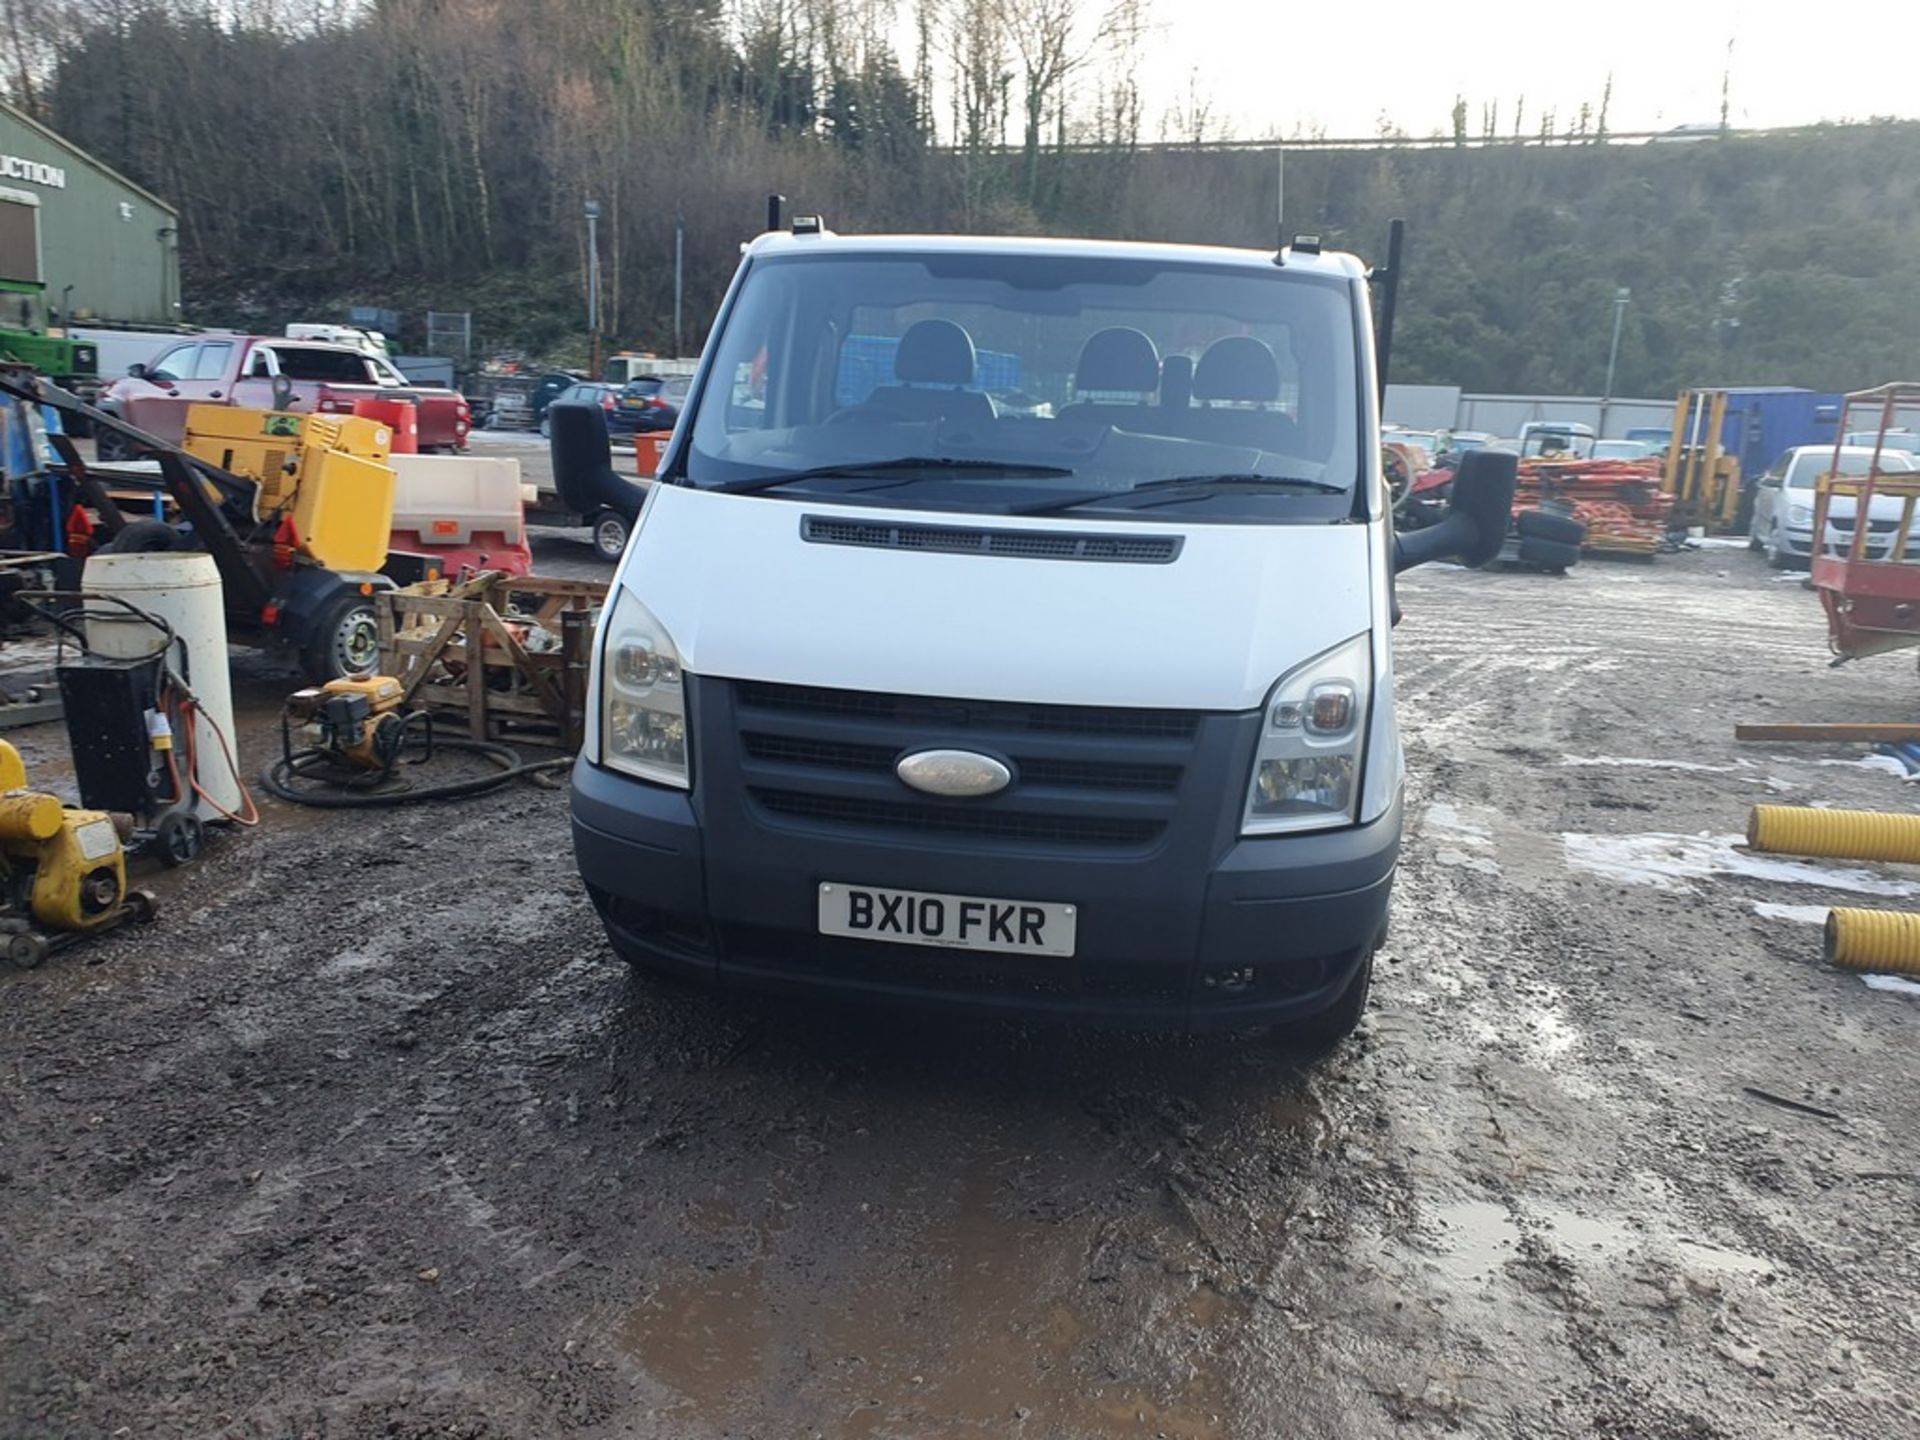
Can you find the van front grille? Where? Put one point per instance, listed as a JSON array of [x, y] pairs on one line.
[[1092, 777]]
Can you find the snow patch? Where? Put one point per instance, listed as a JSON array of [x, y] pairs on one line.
[[1898, 984], [1885, 763], [1631, 763], [1799, 914], [1449, 820], [1668, 862]]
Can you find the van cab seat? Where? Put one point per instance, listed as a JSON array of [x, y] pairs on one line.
[[934, 362], [1238, 370], [1119, 366]]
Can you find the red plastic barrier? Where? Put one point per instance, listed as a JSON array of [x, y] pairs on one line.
[[402, 417]]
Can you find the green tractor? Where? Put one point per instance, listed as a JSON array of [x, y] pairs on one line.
[[27, 339]]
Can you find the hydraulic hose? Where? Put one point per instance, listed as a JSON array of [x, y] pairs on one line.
[[1885, 940], [313, 766], [1834, 834]]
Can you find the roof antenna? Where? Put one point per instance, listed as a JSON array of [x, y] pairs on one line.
[[1280, 201]]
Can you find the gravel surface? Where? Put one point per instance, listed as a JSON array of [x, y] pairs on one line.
[[369, 1136]]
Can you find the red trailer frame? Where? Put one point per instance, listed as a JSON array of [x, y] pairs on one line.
[[1872, 604]]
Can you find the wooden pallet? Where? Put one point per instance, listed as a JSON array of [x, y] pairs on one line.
[[428, 643]]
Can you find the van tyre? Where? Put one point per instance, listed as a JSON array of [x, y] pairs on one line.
[[1547, 554], [1319, 1033], [345, 644], [610, 531], [1555, 529]]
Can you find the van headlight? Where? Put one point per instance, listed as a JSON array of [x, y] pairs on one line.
[[1306, 772], [643, 704]]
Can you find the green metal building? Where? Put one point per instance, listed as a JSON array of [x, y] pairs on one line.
[[108, 250]]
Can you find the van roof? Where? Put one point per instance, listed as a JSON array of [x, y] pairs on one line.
[[1336, 263]]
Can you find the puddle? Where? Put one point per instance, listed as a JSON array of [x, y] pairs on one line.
[[704, 1334], [1481, 1236], [973, 1336], [1667, 862]]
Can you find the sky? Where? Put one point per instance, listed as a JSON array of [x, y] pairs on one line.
[[1340, 65]]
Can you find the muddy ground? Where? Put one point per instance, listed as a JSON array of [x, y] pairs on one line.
[[369, 1135]]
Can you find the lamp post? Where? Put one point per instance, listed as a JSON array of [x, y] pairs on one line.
[[1620, 299], [593, 286], [679, 277]]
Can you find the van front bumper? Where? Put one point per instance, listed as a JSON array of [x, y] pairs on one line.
[[1274, 930]]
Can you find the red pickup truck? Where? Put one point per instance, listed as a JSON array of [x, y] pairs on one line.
[[246, 370]]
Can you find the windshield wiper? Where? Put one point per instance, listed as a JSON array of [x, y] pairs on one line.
[[881, 469], [1244, 480]]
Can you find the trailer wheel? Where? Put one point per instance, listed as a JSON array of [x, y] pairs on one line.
[[610, 532], [345, 644], [1547, 554], [179, 837], [1551, 527], [144, 537], [27, 949], [111, 447]]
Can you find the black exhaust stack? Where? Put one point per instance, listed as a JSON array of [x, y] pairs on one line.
[[1389, 281]]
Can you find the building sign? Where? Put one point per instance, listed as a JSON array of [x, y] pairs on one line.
[[12, 167]]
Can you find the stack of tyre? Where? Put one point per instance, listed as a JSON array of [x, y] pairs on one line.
[[1546, 538]]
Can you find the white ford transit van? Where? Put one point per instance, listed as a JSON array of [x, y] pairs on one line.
[[1010, 629]]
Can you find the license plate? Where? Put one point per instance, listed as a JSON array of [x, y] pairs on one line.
[[952, 922], [632, 404]]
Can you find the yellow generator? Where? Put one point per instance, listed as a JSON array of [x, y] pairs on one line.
[[63, 873], [324, 476]]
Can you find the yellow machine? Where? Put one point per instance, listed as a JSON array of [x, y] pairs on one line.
[[356, 723], [1703, 479], [61, 870], [327, 475]]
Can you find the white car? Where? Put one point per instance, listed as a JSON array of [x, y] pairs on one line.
[[1783, 504], [1621, 450]]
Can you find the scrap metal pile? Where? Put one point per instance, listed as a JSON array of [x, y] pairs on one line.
[[1619, 501]]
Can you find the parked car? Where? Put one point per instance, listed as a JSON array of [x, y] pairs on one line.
[[586, 392], [271, 372], [1654, 437], [649, 403], [1906, 440], [1783, 504], [1621, 450], [1562, 439]]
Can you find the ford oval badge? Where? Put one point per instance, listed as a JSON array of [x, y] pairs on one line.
[[953, 772]]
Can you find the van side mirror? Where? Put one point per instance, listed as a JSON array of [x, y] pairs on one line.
[[1477, 516], [137, 370]]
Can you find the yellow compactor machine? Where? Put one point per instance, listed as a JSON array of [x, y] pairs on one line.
[[63, 872]]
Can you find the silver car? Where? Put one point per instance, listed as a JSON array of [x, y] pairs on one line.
[[1783, 505]]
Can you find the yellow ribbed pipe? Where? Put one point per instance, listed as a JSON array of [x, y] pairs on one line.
[[1834, 834], [1887, 940]]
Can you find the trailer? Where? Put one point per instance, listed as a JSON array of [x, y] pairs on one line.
[[1866, 528]]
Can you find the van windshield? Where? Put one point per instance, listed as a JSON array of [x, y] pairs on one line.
[[1031, 382]]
